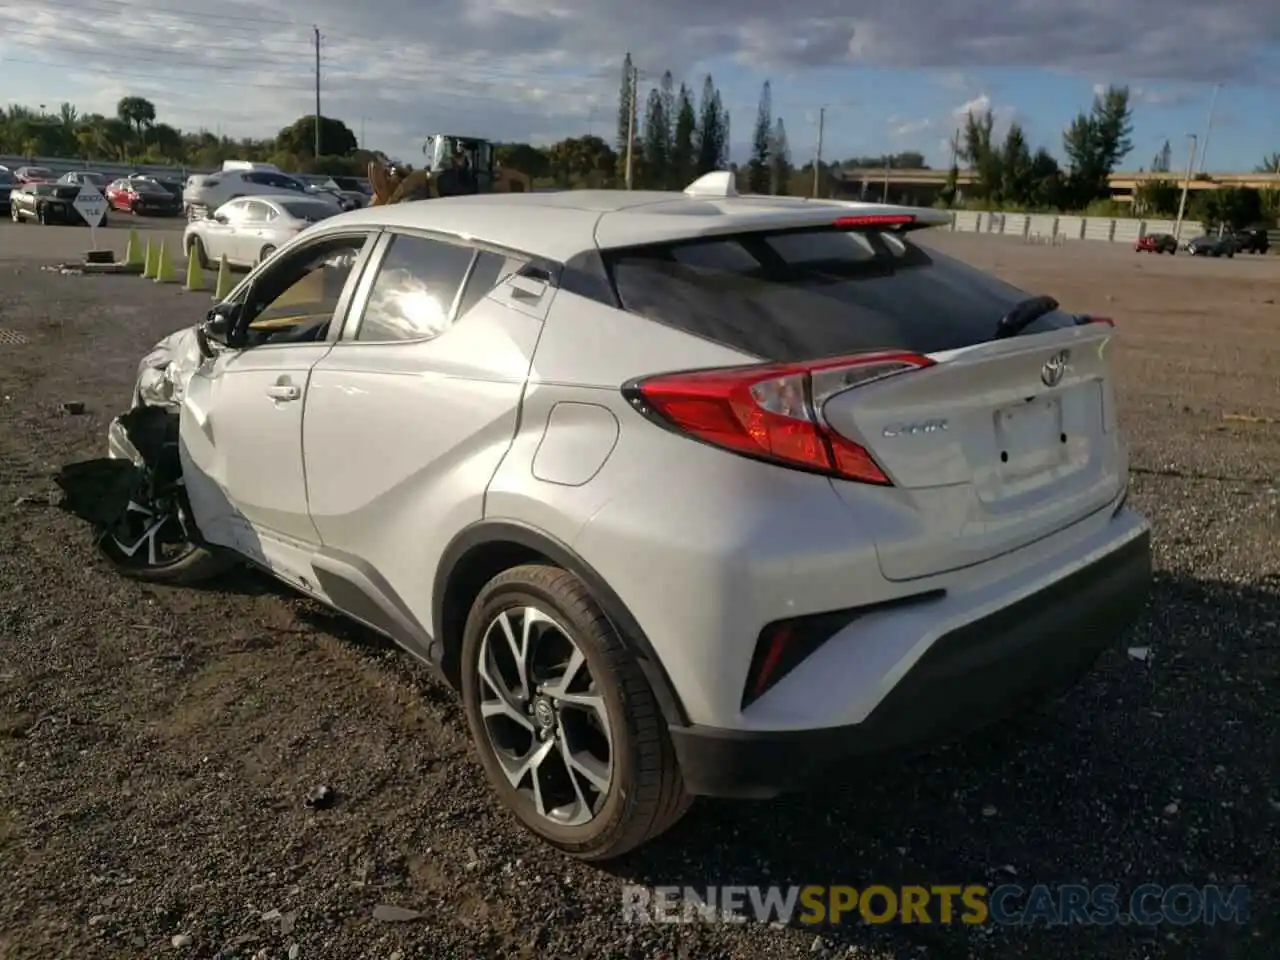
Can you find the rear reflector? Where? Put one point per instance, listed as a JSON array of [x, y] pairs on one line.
[[772, 411], [1083, 319], [785, 644], [876, 220]]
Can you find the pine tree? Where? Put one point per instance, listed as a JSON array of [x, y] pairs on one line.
[[656, 165], [667, 87], [682, 139], [626, 114], [721, 133], [758, 165], [780, 168], [709, 144]]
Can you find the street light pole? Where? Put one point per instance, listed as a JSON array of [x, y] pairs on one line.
[[1208, 127], [817, 156], [1186, 185]]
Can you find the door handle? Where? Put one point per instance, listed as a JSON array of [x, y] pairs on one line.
[[284, 391]]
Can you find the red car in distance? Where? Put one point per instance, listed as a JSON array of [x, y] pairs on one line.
[[1156, 243], [135, 195]]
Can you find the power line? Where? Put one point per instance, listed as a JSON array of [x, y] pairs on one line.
[[153, 78], [159, 56], [130, 9]]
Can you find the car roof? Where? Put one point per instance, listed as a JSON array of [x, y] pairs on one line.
[[559, 225]]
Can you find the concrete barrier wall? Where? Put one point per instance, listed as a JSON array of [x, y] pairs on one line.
[[1045, 228], [62, 165]]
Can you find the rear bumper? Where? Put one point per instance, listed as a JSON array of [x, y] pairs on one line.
[[1030, 650]]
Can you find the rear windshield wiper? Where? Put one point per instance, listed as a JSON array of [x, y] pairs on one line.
[[1023, 314]]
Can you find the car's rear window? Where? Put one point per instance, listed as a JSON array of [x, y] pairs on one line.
[[802, 294], [305, 210]]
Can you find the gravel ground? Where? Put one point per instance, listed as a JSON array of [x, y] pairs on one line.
[[157, 746]]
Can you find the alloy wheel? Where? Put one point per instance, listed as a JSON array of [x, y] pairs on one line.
[[150, 533], [544, 715]]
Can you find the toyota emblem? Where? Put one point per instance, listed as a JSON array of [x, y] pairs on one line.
[[1055, 368]]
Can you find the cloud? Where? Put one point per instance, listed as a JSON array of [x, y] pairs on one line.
[[1169, 96], [979, 104], [507, 68], [908, 128]]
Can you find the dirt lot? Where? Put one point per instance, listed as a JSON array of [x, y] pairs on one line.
[[156, 745]]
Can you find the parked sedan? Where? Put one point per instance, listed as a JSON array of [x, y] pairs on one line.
[[1156, 243], [1207, 246], [7, 184], [249, 229], [34, 175], [92, 178], [48, 203], [1252, 240], [143, 196]]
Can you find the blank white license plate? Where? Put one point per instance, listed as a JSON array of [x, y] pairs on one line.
[[1029, 429]]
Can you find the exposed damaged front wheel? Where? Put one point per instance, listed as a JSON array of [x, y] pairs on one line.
[[149, 540]]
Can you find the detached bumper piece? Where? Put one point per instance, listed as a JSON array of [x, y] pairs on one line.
[[1029, 651]]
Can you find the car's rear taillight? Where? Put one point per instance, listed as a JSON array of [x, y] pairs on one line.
[[772, 411]]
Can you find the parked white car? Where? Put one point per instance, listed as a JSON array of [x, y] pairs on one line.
[[248, 230], [688, 494], [209, 191]]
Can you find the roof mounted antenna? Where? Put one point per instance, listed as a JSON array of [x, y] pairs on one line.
[[718, 183]]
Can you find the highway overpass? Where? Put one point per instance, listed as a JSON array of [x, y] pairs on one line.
[[923, 186]]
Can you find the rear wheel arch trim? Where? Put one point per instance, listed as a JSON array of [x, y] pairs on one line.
[[485, 532]]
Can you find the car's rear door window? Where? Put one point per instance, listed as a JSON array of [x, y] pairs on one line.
[[803, 294]]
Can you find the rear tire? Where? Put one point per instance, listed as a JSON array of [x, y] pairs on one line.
[[637, 793], [14, 214], [42, 215]]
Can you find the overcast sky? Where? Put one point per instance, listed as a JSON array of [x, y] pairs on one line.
[[894, 75]]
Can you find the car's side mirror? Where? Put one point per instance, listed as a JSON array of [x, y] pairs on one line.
[[219, 218], [219, 327]]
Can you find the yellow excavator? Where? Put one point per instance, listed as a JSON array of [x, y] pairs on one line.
[[455, 166]]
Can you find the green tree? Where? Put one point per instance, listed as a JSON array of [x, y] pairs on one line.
[[711, 135], [1157, 198], [1095, 142], [780, 168], [983, 158], [667, 88], [138, 112], [299, 138], [1161, 162], [1017, 183], [1234, 207], [758, 165], [1046, 179], [686, 124], [525, 158], [656, 141]]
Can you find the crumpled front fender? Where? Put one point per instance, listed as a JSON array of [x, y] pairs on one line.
[[163, 373]]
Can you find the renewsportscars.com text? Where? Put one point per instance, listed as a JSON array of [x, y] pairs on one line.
[[973, 904]]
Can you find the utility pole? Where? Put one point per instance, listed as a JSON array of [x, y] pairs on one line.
[[1208, 127], [1186, 185], [888, 165], [817, 156], [631, 121], [316, 32]]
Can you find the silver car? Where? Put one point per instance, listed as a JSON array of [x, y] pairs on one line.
[[248, 230], [686, 494]]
